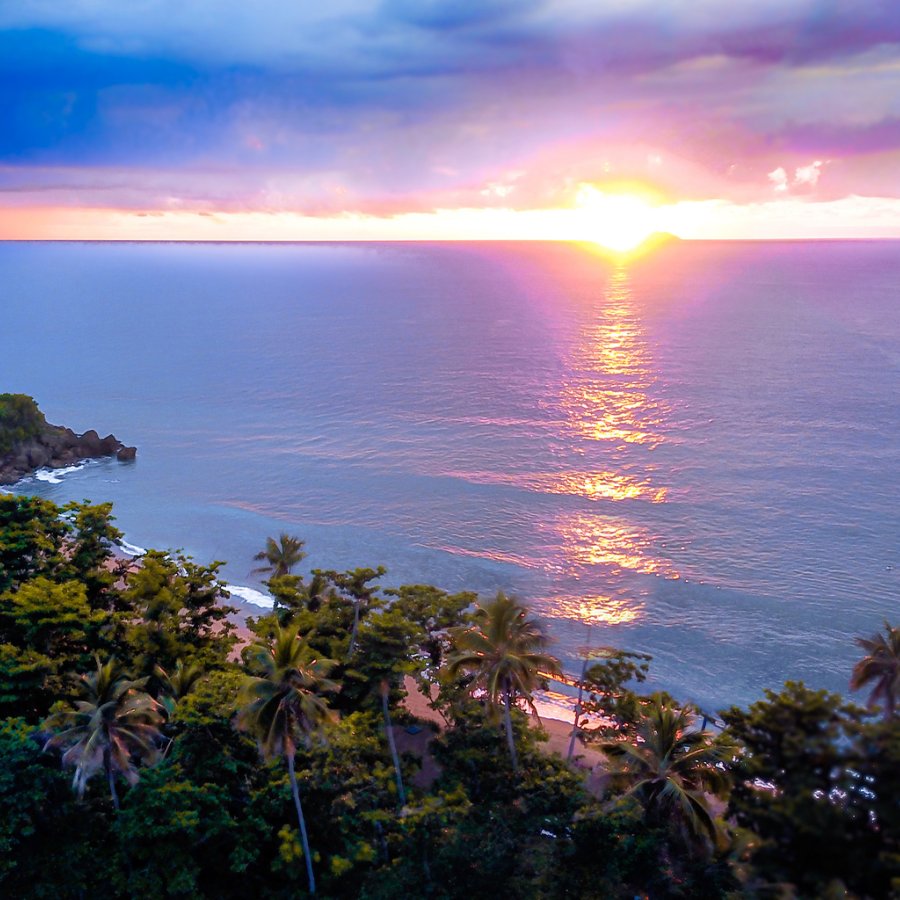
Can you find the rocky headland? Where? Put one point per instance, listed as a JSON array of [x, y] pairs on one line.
[[29, 442]]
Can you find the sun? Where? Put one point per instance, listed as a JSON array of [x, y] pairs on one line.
[[615, 220]]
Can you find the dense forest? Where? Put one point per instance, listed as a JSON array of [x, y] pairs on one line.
[[153, 745]]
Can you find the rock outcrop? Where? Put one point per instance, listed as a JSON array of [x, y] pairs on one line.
[[43, 445]]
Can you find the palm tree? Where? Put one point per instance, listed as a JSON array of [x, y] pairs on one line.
[[284, 708], [179, 684], [114, 725], [318, 591], [280, 556], [880, 665], [671, 768], [504, 650]]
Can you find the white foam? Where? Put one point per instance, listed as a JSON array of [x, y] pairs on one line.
[[131, 549], [55, 476], [251, 595]]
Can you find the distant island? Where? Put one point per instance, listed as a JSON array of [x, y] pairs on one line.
[[658, 239], [29, 442]]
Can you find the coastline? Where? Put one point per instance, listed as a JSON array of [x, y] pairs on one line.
[[30, 445]]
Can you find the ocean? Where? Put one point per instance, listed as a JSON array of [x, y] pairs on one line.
[[696, 451]]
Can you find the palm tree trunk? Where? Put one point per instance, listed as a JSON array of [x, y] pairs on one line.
[[352, 646], [577, 711], [111, 778], [303, 837], [401, 794], [584, 665], [507, 719]]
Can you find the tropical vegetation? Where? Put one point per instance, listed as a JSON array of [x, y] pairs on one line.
[[374, 742], [20, 420], [505, 652], [880, 667]]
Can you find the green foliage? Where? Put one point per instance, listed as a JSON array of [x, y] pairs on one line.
[[356, 586], [179, 837], [814, 783], [214, 698], [797, 788], [20, 420], [176, 685], [284, 708], [616, 853], [173, 612], [25, 688], [674, 770], [70, 543], [48, 630], [31, 539], [880, 668], [280, 556], [47, 840], [51, 618], [504, 649], [289, 595], [609, 696], [505, 652], [384, 654], [111, 727], [876, 768], [24, 785], [89, 550], [508, 829], [434, 612]]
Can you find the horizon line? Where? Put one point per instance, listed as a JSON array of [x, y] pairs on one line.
[[674, 239]]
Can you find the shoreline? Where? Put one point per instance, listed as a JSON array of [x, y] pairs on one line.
[[558, 731]]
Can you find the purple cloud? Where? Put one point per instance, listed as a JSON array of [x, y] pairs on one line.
[[412, 104]]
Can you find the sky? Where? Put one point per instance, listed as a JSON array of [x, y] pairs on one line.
[[431, 119]]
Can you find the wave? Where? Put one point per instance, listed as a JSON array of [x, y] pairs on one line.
[[131, 549], [489, 554], [55, 476], [251, 595]]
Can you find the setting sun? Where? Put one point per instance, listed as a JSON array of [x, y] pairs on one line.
[[616, 221]]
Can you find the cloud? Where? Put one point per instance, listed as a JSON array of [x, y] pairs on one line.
[[805, 177], [779, 179], [417, 104], [808, 174]]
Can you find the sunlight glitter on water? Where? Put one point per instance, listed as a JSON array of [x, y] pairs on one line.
[[589, 540], [595, 610], [587, 484], [607, 396]]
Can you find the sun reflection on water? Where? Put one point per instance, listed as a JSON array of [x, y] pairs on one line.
[[589, 540], [607, 486], [587, 484], [596, 610], [606, 397], [608, 404]]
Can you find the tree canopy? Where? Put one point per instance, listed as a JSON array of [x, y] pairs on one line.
[[212, 759], [20, 419]]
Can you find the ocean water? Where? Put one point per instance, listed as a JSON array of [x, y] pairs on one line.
[[696, 452]]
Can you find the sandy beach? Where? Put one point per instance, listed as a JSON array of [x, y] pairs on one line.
[[558, 733]]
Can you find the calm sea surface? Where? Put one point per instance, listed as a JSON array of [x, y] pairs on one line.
[[697, 451]]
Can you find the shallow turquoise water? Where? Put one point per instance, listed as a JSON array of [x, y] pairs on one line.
[[698, 451]]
